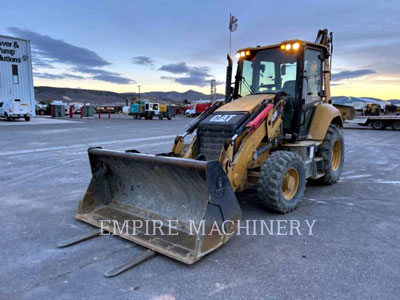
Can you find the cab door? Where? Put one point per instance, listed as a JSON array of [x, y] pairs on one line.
[[312, 87]]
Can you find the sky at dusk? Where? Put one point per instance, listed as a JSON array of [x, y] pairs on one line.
[[180, 45]]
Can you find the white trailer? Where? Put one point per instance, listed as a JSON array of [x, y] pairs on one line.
[[16, 79]]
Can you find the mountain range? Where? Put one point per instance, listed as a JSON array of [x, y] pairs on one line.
[[47, 94]]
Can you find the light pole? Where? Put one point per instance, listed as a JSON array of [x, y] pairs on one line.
[[139, 91]]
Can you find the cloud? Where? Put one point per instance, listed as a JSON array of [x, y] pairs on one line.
[[48, 51], [60, 51], [104, 75], [143, 60], [351, 74], [198, 76], [57, 76], [178, 68], [41, 63]]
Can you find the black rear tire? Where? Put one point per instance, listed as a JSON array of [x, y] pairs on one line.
[[27, 118], [271, 181], [378, 125], [396, 125], [7, 117], [331, 170]]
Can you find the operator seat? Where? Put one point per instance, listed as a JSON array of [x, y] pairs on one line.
[[289, 87]]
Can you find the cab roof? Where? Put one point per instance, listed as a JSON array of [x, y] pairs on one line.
[[302, 43]]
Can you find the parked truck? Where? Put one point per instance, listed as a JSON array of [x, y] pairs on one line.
[[166, 111], [143, 109], [15, 109], [197, 109]]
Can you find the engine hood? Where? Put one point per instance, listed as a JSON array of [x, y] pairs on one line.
[[245, 104]]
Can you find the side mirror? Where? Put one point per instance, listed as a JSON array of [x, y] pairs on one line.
[[283, 70]]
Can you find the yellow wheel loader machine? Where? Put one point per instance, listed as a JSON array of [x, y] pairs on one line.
[[275, 130]]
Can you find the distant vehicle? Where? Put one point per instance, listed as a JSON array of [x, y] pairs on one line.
[[125, 110], [15, 109], [197, 109], [42, 109], [110, 109], [166, 111], [372, 109], [77, 108], [106, 109], [146, 110], [191, 112]]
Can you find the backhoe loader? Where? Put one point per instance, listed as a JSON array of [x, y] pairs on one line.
[[276, 129]]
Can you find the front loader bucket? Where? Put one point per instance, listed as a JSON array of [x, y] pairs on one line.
[[347, 112], [182, 208]]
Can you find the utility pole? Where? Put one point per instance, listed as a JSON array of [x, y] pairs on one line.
[[139, 90], [213, 92]]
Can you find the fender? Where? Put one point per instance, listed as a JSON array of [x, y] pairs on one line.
[[325, 114]]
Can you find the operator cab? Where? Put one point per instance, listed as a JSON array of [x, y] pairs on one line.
[[294, 67]]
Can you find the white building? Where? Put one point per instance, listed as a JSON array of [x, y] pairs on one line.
[[16, 80]]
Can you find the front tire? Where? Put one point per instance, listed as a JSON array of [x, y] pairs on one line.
[[332, 152], [282, 181], [27, 118]]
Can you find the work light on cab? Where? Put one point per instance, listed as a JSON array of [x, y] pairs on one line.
[[289, 46], [242, 54]]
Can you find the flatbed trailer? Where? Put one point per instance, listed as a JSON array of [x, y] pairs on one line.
[[378, 122]]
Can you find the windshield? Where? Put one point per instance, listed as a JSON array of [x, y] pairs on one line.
[[269, 71]]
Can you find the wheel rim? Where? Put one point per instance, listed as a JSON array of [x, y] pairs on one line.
[[290, 184], [378, 124], [336, 155]]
